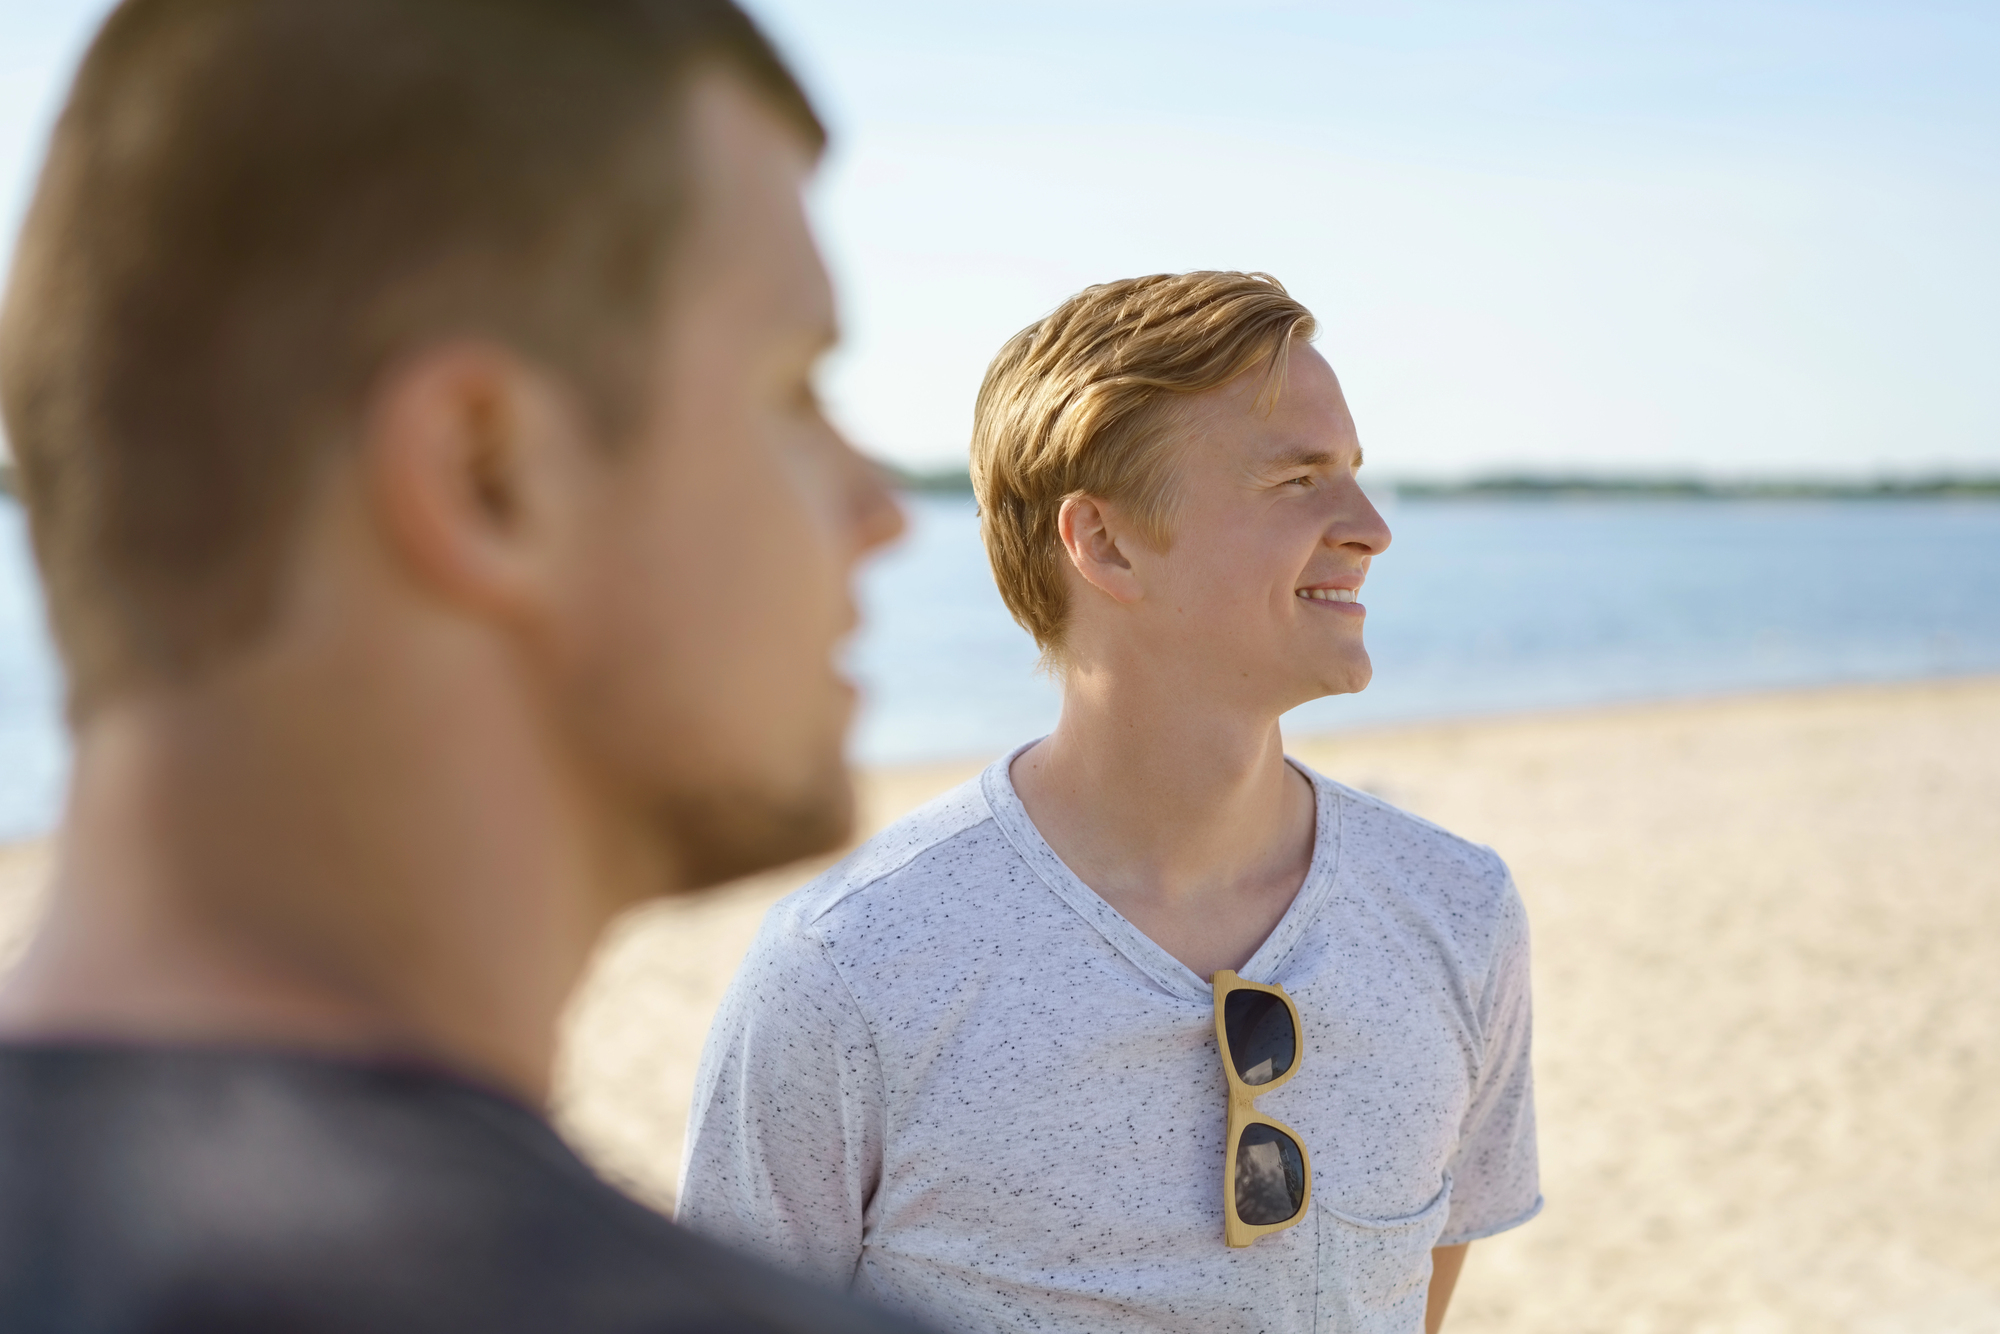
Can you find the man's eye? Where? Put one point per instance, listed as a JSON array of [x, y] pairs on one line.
[[1306, 480]]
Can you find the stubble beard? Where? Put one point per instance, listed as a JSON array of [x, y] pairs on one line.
[[717, 834]]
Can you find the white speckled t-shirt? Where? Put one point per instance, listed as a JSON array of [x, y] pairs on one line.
[[952, 1076]]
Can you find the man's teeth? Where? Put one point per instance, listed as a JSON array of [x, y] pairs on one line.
[[1328, 594]]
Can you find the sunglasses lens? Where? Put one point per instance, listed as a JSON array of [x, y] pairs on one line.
[[1270, 1177], [1261, 1040]]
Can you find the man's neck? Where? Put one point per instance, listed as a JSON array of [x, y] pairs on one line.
[[1185, 818], [280, 868]]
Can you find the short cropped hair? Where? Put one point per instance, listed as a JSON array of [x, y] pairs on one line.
[[250, 208], [1088, 400]]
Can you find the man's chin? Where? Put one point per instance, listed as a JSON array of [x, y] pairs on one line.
[[1345, 678], [724, 833]]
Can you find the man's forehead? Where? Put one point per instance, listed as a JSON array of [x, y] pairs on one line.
[[749, 227], [1303, 430]]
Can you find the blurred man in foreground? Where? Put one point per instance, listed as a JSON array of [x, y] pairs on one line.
[[1059, 1106], [413, 405]]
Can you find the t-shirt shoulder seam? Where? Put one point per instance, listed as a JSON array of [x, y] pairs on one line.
[[861, 872], [1341, 790]]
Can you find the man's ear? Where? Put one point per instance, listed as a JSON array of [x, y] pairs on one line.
[[470, 455], [1093, 539]]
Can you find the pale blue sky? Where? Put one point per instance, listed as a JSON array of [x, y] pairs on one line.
[[1749, 237]]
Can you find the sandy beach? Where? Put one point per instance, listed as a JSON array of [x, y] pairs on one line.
[[1767, 962]]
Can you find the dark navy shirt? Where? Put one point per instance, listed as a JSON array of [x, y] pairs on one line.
[[156, 1189]]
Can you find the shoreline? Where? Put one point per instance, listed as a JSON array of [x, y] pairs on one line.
[[1766, 927], [881, 789], [880, 785], [913, 770], [884, 792]]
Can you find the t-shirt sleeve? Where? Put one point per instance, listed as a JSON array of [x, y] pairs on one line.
[[1496, 1178], [784, 1140]]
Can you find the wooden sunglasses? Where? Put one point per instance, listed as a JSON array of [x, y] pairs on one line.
[[1267, 1174]]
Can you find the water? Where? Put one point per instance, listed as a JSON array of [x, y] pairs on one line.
[[1479, 607], [1484, 606], [33, 757]]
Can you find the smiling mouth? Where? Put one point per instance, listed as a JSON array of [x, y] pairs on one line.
[[1330, 594]]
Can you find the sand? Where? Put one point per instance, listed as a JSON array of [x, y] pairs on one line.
[[1767, 938]]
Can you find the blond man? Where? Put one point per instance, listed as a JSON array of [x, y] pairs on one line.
[[979, 1069]]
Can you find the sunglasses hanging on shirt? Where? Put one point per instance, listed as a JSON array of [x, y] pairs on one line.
[[1266, 1174]]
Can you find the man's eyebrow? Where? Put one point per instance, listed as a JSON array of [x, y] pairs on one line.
[[1303, 456]]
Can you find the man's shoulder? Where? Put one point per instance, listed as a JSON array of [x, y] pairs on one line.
[[1389, 849], [333, 1196], [946, 840]]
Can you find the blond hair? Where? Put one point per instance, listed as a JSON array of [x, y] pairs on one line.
[[1088, 401]]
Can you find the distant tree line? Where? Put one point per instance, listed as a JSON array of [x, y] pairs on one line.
[[946, 480], [1695, 488], [957, 481]]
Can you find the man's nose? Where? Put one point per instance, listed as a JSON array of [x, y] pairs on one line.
[[1359, 524], [877, 517]]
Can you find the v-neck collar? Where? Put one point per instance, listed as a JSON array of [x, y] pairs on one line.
[[1145, 953]]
